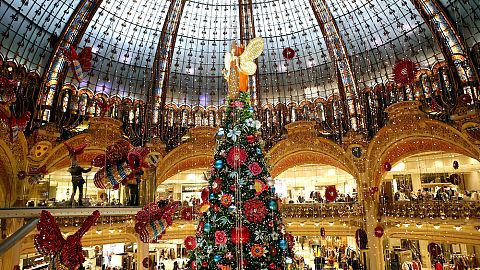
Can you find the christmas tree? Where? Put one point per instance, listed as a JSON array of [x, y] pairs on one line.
[[240, 225]]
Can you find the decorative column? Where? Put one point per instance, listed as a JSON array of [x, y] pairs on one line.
[[247, 32], [12, 256], [57, 66], [161, 67], [453, 48], [142, 253], [347, 84]]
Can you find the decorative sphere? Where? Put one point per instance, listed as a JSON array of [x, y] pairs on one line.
[[218, 164], [455, 164], [272, 205], [288, 260], [207, 227], [251, 109], [387, 166], [273, 189], [379, 231], [357, 152], [283, 244], [221, 132], [212, 196], [204, 194], [240, 235], [217, 258], [288, 53], [231, 208], [272, 266], [190, 242]]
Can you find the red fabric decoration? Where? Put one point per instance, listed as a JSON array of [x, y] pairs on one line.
[[255, 168], [226, 200], [85, 59], [190, 242], [250, 139], [99, 161], [387, 166], [136, 158], [404, 72], [49, 241], [240, 235], [187, 213], [77, 150], [104, 107], [254, 210], [331, 193], [236, 157], [6, 83], [379, 231], [288, 53], [15, 125], [152, 216], [204, 194]]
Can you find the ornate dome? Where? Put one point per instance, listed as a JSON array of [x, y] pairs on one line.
[[372, 35]]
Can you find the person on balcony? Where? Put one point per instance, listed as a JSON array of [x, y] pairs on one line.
[[133, 188], [77, 181]]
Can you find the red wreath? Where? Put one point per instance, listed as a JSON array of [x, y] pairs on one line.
[[254, 210], [236, 157], [147, 262], [331, 193], [404, 72]]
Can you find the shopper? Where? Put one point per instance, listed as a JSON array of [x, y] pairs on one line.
[[77, 181]]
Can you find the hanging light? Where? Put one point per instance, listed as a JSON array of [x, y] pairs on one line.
[[457, 227], [436, 226]]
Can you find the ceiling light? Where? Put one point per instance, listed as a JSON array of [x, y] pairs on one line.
[[99, 231], [419, 225], [120, 230], [302, 224], [344, 224], [111, 231], [317, 224], [406, 225], [331, 223], [398, 225], [436, 226], [289, 223], [458, 227]]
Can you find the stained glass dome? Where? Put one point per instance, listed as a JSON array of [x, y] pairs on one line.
[[125, 35]]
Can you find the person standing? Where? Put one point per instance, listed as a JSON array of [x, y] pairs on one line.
[[133, 188], [77, 181]]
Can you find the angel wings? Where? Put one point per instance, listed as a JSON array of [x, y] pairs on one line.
[[253, 50]]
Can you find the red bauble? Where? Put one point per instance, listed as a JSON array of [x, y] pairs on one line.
[[193, 265], [147, 262], [273, 251], [331, 193], [190, 242], [465, 98], [404, 72], [250, 139], [204, 194], [379, 231], [272, 266], [288, 53], [387, 166], [204, 264], [240, 235]]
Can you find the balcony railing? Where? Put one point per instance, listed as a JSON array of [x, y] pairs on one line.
[[433, 209]]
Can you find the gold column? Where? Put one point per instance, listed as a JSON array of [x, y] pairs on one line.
[[142, 252], [12, 256]]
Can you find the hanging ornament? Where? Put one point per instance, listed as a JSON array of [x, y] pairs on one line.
[[190, 242], [204, 194], [357, 151], [207, 227], [331, 193], [282, 244], [187, 213], [379, 231], [455, 164], [387, 166], [240, 235], [272, 205], [147, 262], [361, 238], [218, 164], [288, 53], [404, 72], [152, 221], [465, 99], [217, 258]]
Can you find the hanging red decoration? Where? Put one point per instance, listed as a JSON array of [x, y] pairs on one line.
[[81, 63], [331, 193], [187, 213], [73, 151], [455, 164], [190, 242], [204, 194], [361, 238], [379, 231], [240, 235], [434, 249], [14, 124], [147, 262], [99, 161], [288, 53], [404, 72], [152, 221], [50, 242], [387, 166]]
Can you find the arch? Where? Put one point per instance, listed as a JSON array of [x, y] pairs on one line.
[[303, 147], [402, 137], [197, 152]]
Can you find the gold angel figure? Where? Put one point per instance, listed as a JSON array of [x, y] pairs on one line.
[[239, 63]]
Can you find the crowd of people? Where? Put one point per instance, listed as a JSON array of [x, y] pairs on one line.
[[440, 194], [317, 197]]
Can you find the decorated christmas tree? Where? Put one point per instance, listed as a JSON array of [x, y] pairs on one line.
[[240, 225]]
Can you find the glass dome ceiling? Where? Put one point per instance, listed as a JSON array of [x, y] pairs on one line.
[[125, 35]]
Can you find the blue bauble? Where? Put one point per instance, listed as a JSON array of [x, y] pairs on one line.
[[273, 189], [282, 244], [259, 151], [288, 260], [207, 227], [218, 164], [221, 132], [217, 258], [231, 208], [272, 205], [251, 109], [212, 196]]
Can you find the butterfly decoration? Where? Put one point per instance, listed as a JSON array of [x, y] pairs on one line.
[[81, 63], [49, 241], [104, 107], [14, 124], [152, 221]]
